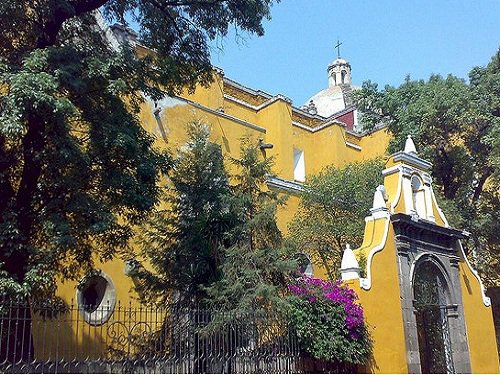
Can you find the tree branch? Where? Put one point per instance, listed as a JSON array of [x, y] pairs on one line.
[[479, 188], [50, 30]]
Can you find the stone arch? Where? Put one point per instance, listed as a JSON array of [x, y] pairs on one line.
[[425, 257]]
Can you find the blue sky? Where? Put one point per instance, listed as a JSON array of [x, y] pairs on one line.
[[384, 40]]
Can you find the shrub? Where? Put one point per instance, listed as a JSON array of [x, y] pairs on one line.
[[328, 321]]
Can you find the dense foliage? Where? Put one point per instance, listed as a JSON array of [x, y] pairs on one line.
[[212, 242], [332, 209], [183, 240], [455, 125], [329, 322], [77, 170], [257, 265]]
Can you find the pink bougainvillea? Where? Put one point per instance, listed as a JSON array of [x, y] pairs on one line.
[[329, 321], [335, 292]]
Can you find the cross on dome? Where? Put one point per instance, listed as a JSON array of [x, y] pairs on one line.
[[338, 47]]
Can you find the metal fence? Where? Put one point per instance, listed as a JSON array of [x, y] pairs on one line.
[[48, 338]]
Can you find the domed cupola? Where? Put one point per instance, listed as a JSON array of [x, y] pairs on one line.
[[339, 73]]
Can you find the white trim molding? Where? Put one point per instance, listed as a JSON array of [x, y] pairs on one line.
[[287, 185], [486, 299], [215, 112], [366, 283]]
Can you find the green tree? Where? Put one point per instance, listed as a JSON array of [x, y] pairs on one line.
[[455, 125], [184, 242], [332, 209], [77, 171], [485, 86], [257, 266]]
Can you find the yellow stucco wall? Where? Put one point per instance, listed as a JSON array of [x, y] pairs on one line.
[[381, 303], [233, 112], [479, 325], [247, 113]]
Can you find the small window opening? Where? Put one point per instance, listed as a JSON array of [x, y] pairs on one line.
[[418, 196], [299, 166]]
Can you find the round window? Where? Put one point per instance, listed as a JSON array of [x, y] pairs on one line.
[[96, 297]]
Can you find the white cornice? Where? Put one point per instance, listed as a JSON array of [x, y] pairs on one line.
[[352, 145], [255, 107], [366, 283], [222, 114], [280, 183], [486, 299], [317, 128], [412, 160], [247, 89]]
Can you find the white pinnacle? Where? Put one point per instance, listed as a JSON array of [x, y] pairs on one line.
[[410, 146], [349, 267]]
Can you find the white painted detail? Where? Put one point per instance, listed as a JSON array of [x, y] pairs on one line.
[[407, 194], [428, 202], [307, 269], [169, 102], [280, 183], [357, 127], [299, 165], [412, 160], [379, 208], [257, 107], [486, 299], [317, 128], [352, 145], [391, 170], [410, 146], [440, 213], [379, 198], [210, 110], [349, 267], [366, 283], [96, 297]]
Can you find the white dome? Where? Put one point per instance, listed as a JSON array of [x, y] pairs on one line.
[[333, 99], [329, 101]]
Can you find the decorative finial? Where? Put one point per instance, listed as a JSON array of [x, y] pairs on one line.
[[379, 198], [349, 267], [379, 208], [410, 146], [338, 47]]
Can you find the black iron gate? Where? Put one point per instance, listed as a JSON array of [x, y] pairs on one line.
[[433, 331]]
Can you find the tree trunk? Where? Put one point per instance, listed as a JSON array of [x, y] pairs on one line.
[[16, 342]]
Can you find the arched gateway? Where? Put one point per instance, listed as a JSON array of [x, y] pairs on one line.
[[423, 301]]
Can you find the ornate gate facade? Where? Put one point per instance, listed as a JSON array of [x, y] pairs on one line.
[[431, 297]]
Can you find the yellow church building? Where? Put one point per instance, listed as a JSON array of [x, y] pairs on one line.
[[418, 278]]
